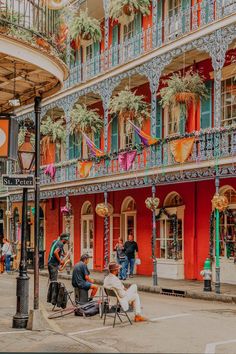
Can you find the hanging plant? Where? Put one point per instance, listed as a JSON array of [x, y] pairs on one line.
[[85, 120], [181, 91], [85, 27], [120, 8], [7, 19], [128, 105], [53, 131]]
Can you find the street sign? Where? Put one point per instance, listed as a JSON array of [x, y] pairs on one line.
[[24, 181]]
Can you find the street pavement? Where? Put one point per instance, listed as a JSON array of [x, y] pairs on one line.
[[176, 325]]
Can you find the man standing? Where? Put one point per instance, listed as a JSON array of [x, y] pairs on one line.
[[126, 296], [56, 255], [7, 253], [130, 248], [81, 278]]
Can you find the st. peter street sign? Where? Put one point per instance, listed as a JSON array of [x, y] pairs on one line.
[[23, 181]]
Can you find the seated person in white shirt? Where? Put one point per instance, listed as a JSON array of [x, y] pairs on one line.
[[126, 296]]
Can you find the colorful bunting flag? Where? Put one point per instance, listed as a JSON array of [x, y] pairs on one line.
[[84, 168], [92, 147], [182, 149], [126, 159], [146, 139], [50, 170]]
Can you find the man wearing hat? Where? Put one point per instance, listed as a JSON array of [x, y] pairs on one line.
[[56, 255], [81, 277], [126, 296]]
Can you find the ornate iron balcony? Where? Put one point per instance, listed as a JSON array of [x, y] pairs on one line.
[[208, 145]]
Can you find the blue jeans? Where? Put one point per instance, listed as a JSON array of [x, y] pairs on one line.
[[130, 266], [8, 263], [123, 271]]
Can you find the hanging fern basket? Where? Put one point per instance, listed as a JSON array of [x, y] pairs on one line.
[[127, 10], [127, 115], [185, 97], [85, 36]]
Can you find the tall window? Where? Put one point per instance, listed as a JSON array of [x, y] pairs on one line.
[[170, 228], [228, 227], [174, 11], [228, 99], [128, 31], [127, 134]]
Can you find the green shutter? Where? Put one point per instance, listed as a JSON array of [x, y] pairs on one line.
[[159, 121], [114, 134], [115, 41], [97, 140], [137, 33], [159, 23], [185, 15], [74, 146], [71, 146], [206, 108], [96, 52]]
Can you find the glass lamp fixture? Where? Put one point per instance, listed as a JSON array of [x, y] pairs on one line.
[[26, 154]]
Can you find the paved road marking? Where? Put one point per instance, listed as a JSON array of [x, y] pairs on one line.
[[169, 317], [89, 330], [19, 331], [211, 347]]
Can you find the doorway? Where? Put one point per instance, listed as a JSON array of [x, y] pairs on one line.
[[87, 232]]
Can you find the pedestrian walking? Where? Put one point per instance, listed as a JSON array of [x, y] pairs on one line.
[[121, 258], [7, 254], [130, 247]]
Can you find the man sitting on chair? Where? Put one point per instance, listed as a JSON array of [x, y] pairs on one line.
[[80, 277], [126, 296]]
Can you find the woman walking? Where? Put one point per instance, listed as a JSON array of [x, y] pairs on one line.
[[121, 258], [7, 253]]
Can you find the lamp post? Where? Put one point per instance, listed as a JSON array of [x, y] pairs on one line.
[[219, 203], [37, 111], [20, 319], [152, 204]]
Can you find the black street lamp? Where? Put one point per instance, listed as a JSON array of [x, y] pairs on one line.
[[26, 158]]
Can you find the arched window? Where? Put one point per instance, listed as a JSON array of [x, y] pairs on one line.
[[228, 224], [128, 204], [173, 199], [128, 215], [86, 209]]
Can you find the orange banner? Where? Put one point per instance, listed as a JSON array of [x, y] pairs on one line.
[[84, 168], [182, 149]]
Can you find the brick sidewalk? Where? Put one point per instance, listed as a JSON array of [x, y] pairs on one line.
[[188, 288]]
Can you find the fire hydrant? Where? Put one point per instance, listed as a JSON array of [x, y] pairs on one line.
[[206, 273]]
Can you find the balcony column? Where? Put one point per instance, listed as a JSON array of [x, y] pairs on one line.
[[106, 25], [154, 23], [67, 118]]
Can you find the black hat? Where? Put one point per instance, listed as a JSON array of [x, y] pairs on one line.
[[65, 236], [84, 257]]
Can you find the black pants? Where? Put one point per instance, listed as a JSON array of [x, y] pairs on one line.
[[53, 272]]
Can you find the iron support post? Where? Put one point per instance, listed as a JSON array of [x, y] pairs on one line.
[[106, 235], [22, 283], [217, 238], [154, 232], [37, 110]]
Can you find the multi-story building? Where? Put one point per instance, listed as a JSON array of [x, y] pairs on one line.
[[140, 53]]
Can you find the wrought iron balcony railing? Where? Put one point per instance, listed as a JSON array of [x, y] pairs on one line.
[[184, 21], [19, 17], [207, 145]]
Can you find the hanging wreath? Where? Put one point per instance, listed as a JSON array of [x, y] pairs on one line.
[[104, 210], [152, 203], [219, 202]]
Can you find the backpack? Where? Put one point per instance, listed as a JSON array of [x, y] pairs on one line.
[[62, 296], [87, 310]]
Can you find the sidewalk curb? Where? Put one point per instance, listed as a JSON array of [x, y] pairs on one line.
[[208, 296]]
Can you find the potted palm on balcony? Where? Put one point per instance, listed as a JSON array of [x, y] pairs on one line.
[[85, 120], [52, 131], [128, 105], [124, 10], [180, 92], [85, 28]]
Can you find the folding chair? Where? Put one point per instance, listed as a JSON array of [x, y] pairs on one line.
[[119, 311]]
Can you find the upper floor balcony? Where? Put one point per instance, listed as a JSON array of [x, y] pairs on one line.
[[121, 42], [202, 149]]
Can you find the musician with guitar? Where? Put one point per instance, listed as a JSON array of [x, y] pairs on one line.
[[57, 257]]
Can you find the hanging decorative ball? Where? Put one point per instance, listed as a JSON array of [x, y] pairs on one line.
[[219, 202], [56, 4], [104, 210], [152, 203]]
